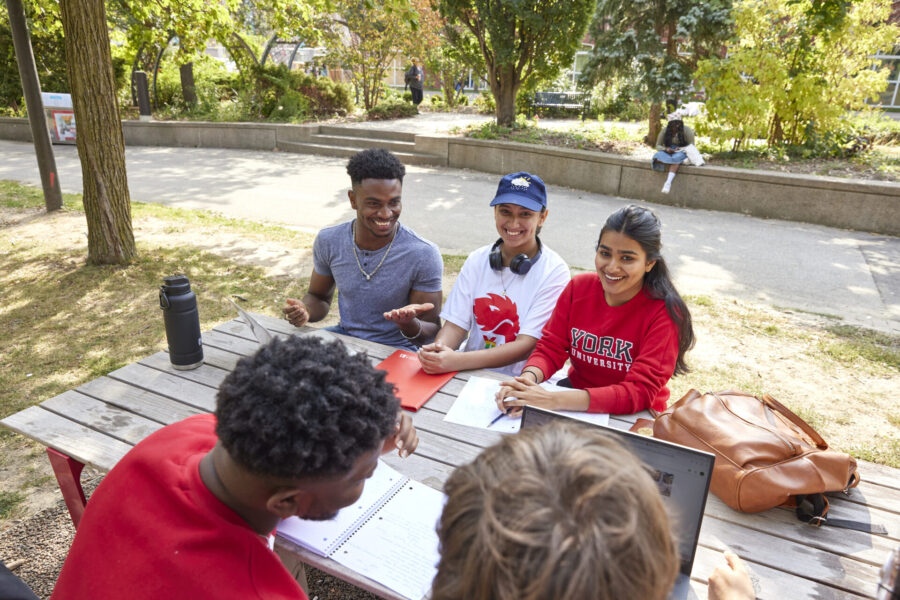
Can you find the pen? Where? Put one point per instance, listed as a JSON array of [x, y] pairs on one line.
[[497, 418]]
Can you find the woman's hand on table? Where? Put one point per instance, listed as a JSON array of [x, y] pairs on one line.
[[437, 358], [522, 390], [404, 439]]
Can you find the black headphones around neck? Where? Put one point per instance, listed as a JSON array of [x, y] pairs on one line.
[[520, 263]]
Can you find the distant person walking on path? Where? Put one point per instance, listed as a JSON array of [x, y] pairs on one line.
[[670, 147], [376, 264], [624, 329], [415, 79], [505, 292]]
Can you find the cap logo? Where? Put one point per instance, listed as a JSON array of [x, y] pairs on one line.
[[520, 183]]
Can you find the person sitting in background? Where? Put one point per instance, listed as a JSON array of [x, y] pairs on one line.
[[624, 329], [670, 153], [190, 511], [562, 512], [505, 292]]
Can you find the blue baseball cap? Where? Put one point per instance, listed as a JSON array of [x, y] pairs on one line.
[[523, 189]]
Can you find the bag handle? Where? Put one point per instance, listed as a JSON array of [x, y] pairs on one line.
[[784, 410]]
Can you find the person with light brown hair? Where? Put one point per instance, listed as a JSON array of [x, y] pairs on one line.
[[562, 512], [554, 512]]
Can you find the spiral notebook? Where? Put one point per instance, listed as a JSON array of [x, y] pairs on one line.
[[388, 535]]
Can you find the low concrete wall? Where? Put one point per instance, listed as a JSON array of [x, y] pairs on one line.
[[851, 204], [17, 130]]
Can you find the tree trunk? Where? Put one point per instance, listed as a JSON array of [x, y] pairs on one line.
[[504, 90], [654, 126], [101, 145], [188, 90]]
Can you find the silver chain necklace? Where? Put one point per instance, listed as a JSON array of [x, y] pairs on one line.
[[369, 276]]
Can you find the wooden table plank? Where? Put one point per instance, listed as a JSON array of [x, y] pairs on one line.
[[876, 496], [810, 563], [879, 474], [147, 404], [844, 509], [231, 343], [171, 386], [205, 374], [429, 420], [81, 443], [100, 416], [223, 359], [770, 584], [445, 450], [782, 522]]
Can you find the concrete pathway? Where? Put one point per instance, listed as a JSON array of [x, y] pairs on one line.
[[849, 274]]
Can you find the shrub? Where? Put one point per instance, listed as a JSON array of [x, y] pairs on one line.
[[436, 99], [391, 109], [275, 92], [485, 103]]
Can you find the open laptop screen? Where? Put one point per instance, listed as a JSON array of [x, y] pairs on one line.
[[682, 474]]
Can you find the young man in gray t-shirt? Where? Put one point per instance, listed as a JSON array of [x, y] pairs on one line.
[[377, 264]]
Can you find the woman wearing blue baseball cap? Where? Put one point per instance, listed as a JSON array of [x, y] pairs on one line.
[[505, 292]]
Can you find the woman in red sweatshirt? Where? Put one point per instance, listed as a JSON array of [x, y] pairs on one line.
[[624, 329]]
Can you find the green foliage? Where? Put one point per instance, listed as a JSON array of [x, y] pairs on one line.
[[391, 109], [656, 45], [795, 69], [520, 40], [447, 53], [363, 41], [436, 99], [276, 93], [212, 83], [49, 58], [485, 103]]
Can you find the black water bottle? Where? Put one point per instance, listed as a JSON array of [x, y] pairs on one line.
[[179, 305]]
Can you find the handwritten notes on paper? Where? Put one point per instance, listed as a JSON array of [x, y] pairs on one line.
[[475, 407]]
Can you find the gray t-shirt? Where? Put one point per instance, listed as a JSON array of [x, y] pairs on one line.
[[413, 263]]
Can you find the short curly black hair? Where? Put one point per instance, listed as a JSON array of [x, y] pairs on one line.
[[301, 407], [374, 163]]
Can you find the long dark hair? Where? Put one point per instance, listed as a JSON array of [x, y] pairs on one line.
[[643, 226], [672, 138]]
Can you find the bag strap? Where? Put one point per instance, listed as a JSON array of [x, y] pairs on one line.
[[812, 508], [784, 410]]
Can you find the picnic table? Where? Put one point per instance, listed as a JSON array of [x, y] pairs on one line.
[[97, 423]]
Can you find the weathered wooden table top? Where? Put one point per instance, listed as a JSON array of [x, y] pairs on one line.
[[100, 421]]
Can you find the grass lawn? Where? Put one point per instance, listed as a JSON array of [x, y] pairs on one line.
[[65, 322]]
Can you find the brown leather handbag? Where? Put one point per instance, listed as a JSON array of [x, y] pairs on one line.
[[766, 456]]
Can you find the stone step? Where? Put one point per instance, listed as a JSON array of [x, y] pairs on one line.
[[407, 158], [362, 142], [381, 134]]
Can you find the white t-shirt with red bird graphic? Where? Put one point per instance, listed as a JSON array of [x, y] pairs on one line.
[[498, 306]]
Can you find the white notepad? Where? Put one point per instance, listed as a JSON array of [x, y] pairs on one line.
[[388, 535], [475, 406]]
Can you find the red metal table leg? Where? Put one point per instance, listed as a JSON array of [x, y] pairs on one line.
[[68, 475]]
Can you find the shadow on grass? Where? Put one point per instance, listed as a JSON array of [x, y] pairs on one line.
[[66, 323]]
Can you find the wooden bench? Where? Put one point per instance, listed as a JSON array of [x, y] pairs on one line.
[[580, 101]]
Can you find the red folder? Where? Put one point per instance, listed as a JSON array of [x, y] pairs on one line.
[[414, 386]]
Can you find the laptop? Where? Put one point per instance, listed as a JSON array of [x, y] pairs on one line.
[[682, 474]]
